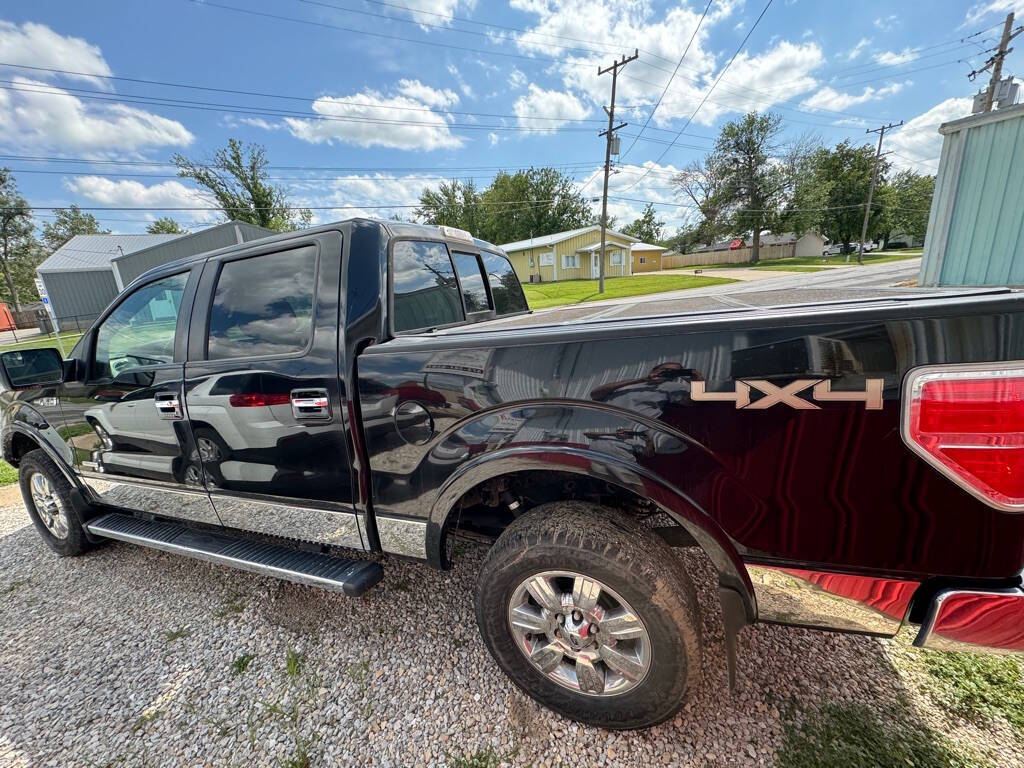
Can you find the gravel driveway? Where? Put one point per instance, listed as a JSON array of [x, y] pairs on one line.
[[132, 657]]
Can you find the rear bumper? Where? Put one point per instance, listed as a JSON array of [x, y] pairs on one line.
[[964, 619]]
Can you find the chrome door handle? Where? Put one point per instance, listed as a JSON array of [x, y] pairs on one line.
[[168, 405], [311, 404]]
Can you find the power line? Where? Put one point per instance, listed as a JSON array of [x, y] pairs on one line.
[[708, 93], [305, 99], [686, 50]]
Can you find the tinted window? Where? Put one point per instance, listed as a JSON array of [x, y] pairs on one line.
[[141, 330], [474, 293], [425, 290], [505, 287], [263, 305]]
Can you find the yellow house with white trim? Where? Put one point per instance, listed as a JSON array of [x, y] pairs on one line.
[[571, 255]]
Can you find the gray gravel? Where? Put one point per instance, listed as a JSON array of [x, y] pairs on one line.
[[124, 657]]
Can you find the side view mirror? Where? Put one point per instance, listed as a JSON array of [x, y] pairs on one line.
[[28, 368]]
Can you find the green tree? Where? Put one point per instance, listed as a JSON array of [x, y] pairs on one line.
[[19, 251], [703, 184], [906, 202], [532, 203], [453, 204], [165, 225], [68, 223], [751, 162], [831, 191], [237, 179], [647, 228]]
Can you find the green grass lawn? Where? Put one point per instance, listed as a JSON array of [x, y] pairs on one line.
[[8, 474], [794, 264], [543, 295], [67, 339]]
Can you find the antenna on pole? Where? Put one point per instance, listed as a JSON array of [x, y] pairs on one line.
[[610, 138]]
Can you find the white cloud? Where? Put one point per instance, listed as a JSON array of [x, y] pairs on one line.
[[407, 128], [887, 22], [43, 115], [856, 51], [837, 101], [784, 67], [360, 195], [432, 97], [133, 194], [656, 186], [434, 11], [466, 88], [39, 46], [919, 139], [517, 79], [558, 104], [893, 58], [259, 122], [977, 12], [493, 138]]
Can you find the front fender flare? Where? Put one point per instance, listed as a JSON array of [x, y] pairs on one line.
[[674, 502]]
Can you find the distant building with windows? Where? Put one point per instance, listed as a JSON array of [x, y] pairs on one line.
[[85, 274], [571, 255]]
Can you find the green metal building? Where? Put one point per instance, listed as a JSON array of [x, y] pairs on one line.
[[976, 224]]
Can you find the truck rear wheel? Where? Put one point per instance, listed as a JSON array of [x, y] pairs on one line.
[[590, 615], [47, 495]]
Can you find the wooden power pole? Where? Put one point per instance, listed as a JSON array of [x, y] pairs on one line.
[[997, 62], [871, 190], [609, 137]]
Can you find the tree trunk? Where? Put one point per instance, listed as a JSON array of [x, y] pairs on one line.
[[755, 248], [7, 277]]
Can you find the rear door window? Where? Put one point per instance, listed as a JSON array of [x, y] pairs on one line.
[[263, 305], [505, 287], [474, 292], [424, 286]]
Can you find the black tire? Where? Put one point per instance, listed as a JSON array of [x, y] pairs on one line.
[[604, 545], [73, 542]]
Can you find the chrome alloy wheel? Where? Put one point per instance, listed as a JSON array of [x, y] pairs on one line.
[[581, 634], [48, 505]]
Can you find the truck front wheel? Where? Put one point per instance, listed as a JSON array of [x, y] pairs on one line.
[[47, 495], [591, 615]]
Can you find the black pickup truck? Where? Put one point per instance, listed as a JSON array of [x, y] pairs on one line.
[[380, 386]]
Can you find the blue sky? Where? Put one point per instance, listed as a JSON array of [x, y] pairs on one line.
[[360, 104]]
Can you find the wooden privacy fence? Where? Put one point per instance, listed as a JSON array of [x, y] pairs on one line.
[[739, 256]]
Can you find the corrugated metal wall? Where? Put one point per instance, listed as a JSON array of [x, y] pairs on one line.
[[134, 264], [78, 297], [976, 223]]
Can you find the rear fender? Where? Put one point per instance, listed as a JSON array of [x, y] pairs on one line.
[[594, 441]]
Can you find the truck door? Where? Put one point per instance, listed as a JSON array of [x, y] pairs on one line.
[[263, 391], [124, 413]]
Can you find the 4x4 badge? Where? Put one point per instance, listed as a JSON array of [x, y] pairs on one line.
[[871, 395]]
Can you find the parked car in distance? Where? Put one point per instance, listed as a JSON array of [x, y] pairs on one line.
[[372, 386]]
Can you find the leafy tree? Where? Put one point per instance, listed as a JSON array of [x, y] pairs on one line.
[[750, 160], [19, 252], [69, 222], [647, 228], [165, 225], [906, 201], [831, 191], [453, 204], [237, 179], [703, 183], [532, 203], [516, 206]]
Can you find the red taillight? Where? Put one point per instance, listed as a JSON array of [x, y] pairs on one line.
[[256, 399], [969, 423]]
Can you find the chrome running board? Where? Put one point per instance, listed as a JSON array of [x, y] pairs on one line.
[[348, 575]]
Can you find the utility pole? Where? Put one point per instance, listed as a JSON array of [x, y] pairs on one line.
[[871, 190], [996, 62], [609, 136]]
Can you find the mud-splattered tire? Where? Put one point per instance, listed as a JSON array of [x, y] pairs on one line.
[[591, 615], [47, 495]]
